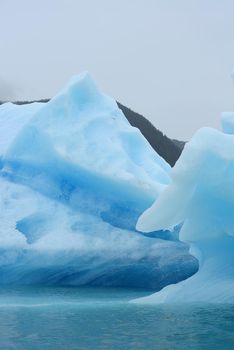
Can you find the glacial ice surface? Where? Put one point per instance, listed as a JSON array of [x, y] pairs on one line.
[[75, 176], [201, 196]]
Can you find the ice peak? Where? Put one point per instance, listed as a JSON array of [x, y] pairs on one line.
[[81, 90], [227, 119]]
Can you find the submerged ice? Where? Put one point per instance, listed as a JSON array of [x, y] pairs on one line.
[[75, 176], [201, 196]]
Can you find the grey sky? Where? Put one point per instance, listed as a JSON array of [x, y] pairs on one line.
[[170, 60]]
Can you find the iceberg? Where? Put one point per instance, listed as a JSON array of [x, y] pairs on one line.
[[74, 178], [201, 196]]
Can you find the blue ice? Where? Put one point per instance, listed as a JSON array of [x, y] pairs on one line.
[[75, 177], [203, 189]]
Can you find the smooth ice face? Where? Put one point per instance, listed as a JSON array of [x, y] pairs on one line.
[[75, 176], [201, 196]]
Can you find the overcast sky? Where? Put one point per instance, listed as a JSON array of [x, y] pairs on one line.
[[170, 60]]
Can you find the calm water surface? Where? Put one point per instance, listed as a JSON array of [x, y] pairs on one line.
[[90, 319]]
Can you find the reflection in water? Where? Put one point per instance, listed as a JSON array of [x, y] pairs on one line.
[[90, 319]]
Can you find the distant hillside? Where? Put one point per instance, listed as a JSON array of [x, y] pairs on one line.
[[179, 144], [169, 149]]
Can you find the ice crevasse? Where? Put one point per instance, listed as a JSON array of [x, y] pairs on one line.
[[74, 179], [201, 196]]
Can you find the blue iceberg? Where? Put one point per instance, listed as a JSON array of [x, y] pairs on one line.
[[203, 189], [75, 177]]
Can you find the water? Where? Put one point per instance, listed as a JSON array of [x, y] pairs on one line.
[[89, 319]]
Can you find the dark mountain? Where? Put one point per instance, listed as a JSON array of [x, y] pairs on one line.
[[179, 144], [169, 149]]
